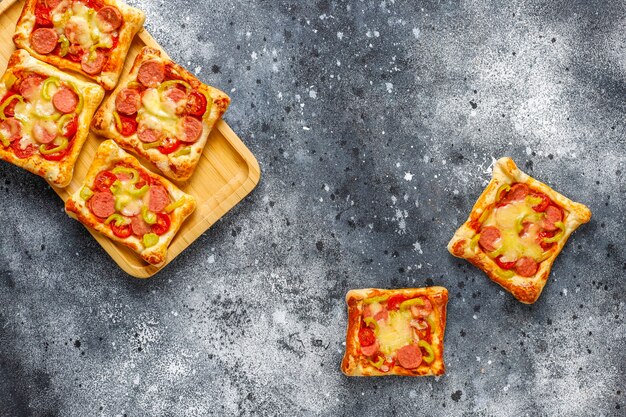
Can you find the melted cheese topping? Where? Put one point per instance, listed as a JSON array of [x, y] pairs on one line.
[[158, 113], [80, 22], [30, 112], [395, 332], [509, 219]]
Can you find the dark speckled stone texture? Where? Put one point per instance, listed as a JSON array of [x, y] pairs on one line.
[[375, 124]]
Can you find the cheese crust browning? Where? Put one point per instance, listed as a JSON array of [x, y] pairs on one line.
[[133, 20], [173, 165], [524, 288], [108, 155], [355, 363], [58, 173]]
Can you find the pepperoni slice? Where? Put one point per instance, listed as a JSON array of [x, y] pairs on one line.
[[159, 198], [366, 337], [23, 153], [109, 19], [65, 100], [11, 129], [196, 103], [104, 180], [371, 349], [151, 73], [421, 312], [192, 129], [29, 87], [553, 215], [92, 63], [147, 135], [102, 204], [381, 315], [489, 235], [176, 94], [518, 192], [545, 202], [526, 266], [45, 131], [139, 226], [409, 356], [44, 40], [128, 101]]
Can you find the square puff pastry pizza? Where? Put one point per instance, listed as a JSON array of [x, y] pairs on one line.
[[395, 332], [163, 113], [129, 204], [91, 37], [45, 116], [516, 230]]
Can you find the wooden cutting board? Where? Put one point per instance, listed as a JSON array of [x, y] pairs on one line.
[[226, 173]]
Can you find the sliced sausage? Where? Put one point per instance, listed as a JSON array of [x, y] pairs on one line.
[[192, 129], [11, 129], [526, 266], [176, 94], [44, 40], [410, 356], [159, 198], [108, 19], [420, 312], [45, 131], [128, 101], [92, 63], [151, 73], [381, 315], [370, 350], [65, 100], [147, 135], [488, 237], [139, 226], [553, 215], [102, 204]]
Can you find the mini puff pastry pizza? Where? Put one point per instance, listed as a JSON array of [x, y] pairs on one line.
[[161, 112], [129, 204], [395, 332], [44, 117], [91, 37], [516, 230]]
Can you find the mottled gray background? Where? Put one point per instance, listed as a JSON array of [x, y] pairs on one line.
[[375, 124]]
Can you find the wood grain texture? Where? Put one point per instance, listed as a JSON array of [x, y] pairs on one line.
[[226, 173]]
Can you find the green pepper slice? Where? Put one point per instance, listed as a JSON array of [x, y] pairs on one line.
[[152, 145], [139, 192], [46, 86], [121, 201], [430, 320], [410, 303], [148, 216], [150, 239], [504, 273], [167, 84], [86, 193], [81, 100], [63, 120], [370, 321], [379, 299], [129, 171], [7, 102], [4, 140], [378, 363], [65, 46], [430, 352], [173, 206], [558, 236], [503, 189], [184, 151], [63, 146], [474, 242], [117, 218]]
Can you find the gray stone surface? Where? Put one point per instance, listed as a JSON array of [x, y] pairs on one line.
[[375, 124]]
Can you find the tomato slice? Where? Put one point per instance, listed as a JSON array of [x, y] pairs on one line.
[[393, 303], [143, 180], [122, 232], [504, 265], [545, 234], [104, 180], [545, 202], [56, 156], [366, 336], [129, 125], [169, 145], [42, 14], [162, 225], [23, 153], [71, 127], [196, 103]]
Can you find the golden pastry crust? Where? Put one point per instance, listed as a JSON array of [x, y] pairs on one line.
[[107, 156], [524, 289], [181, 167], [108, 77], [355, 364], [58, 173]]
